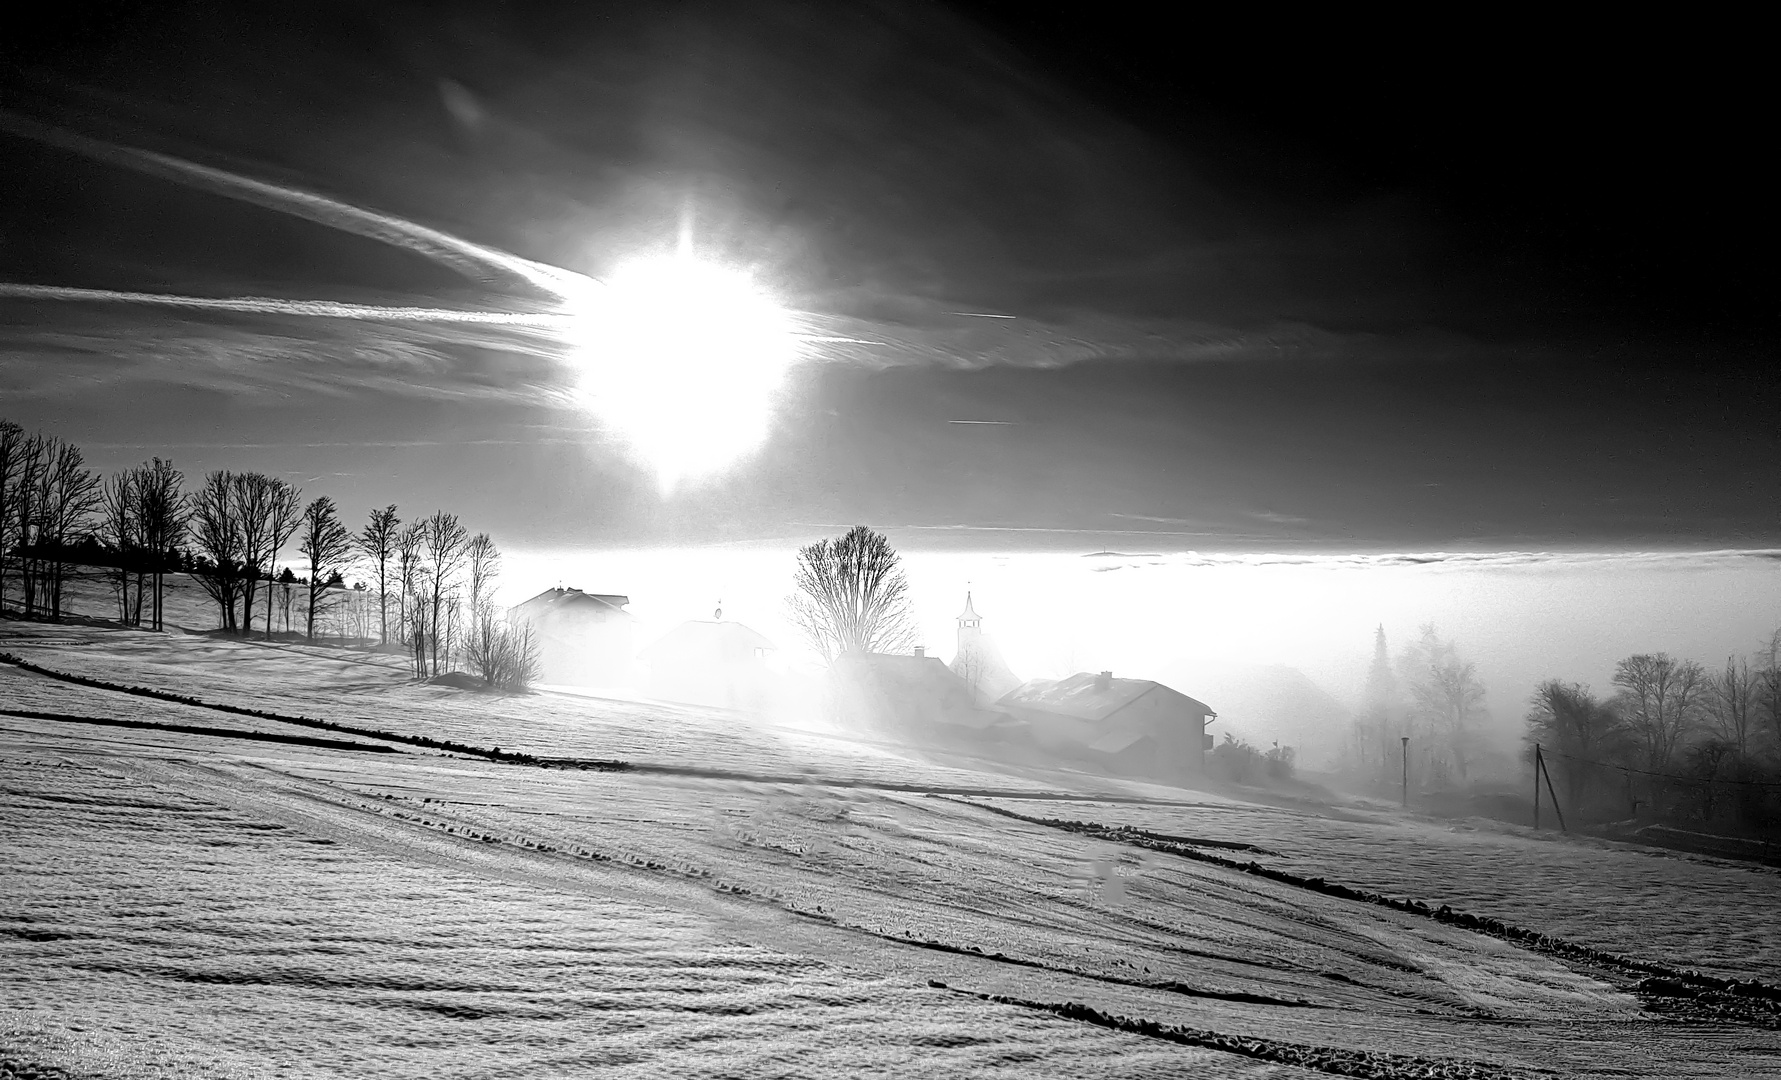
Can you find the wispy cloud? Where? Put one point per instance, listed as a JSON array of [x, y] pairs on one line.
[[275, 355], [1505, 560], [475, 260]]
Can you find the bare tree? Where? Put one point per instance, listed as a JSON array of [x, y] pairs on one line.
[[284, 515], [968, 665], [252, 493], [853, 596], [1446, 696], [327, 545], [121, 526], [378, 541], [443, 542], [162, 514], [12, 450], [501, 652], [268, 509], [408, 566], [68, 494], [1661, 699], [485, 565], [1579, 728], [29, 460], [1732, 699], [216, 530], [1768, 687], [285, 581]]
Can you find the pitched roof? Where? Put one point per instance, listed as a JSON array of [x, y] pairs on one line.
[[915, 687], [553, 601], [1084, 696]]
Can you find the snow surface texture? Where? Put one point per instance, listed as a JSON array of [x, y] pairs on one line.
[[177, 904]]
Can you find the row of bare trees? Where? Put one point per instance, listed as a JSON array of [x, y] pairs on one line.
[[1430, 694], [1676, 738], [434, 581], [47, 497]]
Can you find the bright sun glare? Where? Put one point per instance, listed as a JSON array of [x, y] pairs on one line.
[[683, 359]]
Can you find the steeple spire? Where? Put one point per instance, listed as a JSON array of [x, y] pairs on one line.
[[969, 619]]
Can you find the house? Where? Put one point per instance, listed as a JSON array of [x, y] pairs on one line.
[[710, 662], [910, 696], [1134, 727], [978, 661], [583, 638]]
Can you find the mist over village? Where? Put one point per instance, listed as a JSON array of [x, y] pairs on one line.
[[887, 539]]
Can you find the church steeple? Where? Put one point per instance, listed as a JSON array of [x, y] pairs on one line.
[[969, 619]]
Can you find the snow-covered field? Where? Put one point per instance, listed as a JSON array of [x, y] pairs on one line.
[[759, 902]]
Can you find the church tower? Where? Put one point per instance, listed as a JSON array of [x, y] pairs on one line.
[[977, 660], [969, 622]]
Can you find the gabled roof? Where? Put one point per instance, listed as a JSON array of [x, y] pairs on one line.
[[705, 637], [1084, 696], [917, 686], [555, 601]]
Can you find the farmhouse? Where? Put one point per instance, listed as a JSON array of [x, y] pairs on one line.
[[583, 638], [710, 662], [1132, 727]]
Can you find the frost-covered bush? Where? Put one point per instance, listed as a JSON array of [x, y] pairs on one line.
[[1238, 762], [503, 652]]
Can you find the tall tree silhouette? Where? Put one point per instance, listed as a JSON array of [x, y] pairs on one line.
[[853, 596], [443, 543], [326, 544], [377, 540], [284, 514]]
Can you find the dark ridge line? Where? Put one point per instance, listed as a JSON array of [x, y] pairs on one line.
[[1733, 996], [570, 764], [191, 729], [1367, 1064], [496, 754]]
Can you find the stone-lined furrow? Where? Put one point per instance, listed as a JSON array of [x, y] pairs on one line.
[[1664, 988], [495, 754], [213, 732], [1371, 1065]]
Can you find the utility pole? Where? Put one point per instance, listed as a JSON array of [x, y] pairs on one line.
[[1536, 785], [1405, 739]]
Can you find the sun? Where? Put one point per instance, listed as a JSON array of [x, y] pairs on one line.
[[683, 359]]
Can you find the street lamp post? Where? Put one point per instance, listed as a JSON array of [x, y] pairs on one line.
[[1405, 739]]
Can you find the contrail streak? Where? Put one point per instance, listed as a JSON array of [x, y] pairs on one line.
[[473, 260], [264, 305]]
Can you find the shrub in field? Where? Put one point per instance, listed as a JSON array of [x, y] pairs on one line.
[[1280, 760], [1238, 762], [504, 653]]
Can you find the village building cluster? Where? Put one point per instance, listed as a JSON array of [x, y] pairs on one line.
[[974, 702]]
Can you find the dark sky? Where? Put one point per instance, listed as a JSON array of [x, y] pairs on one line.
[[1476, 282]]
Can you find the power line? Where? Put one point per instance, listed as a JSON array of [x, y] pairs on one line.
[[1666, 776]]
